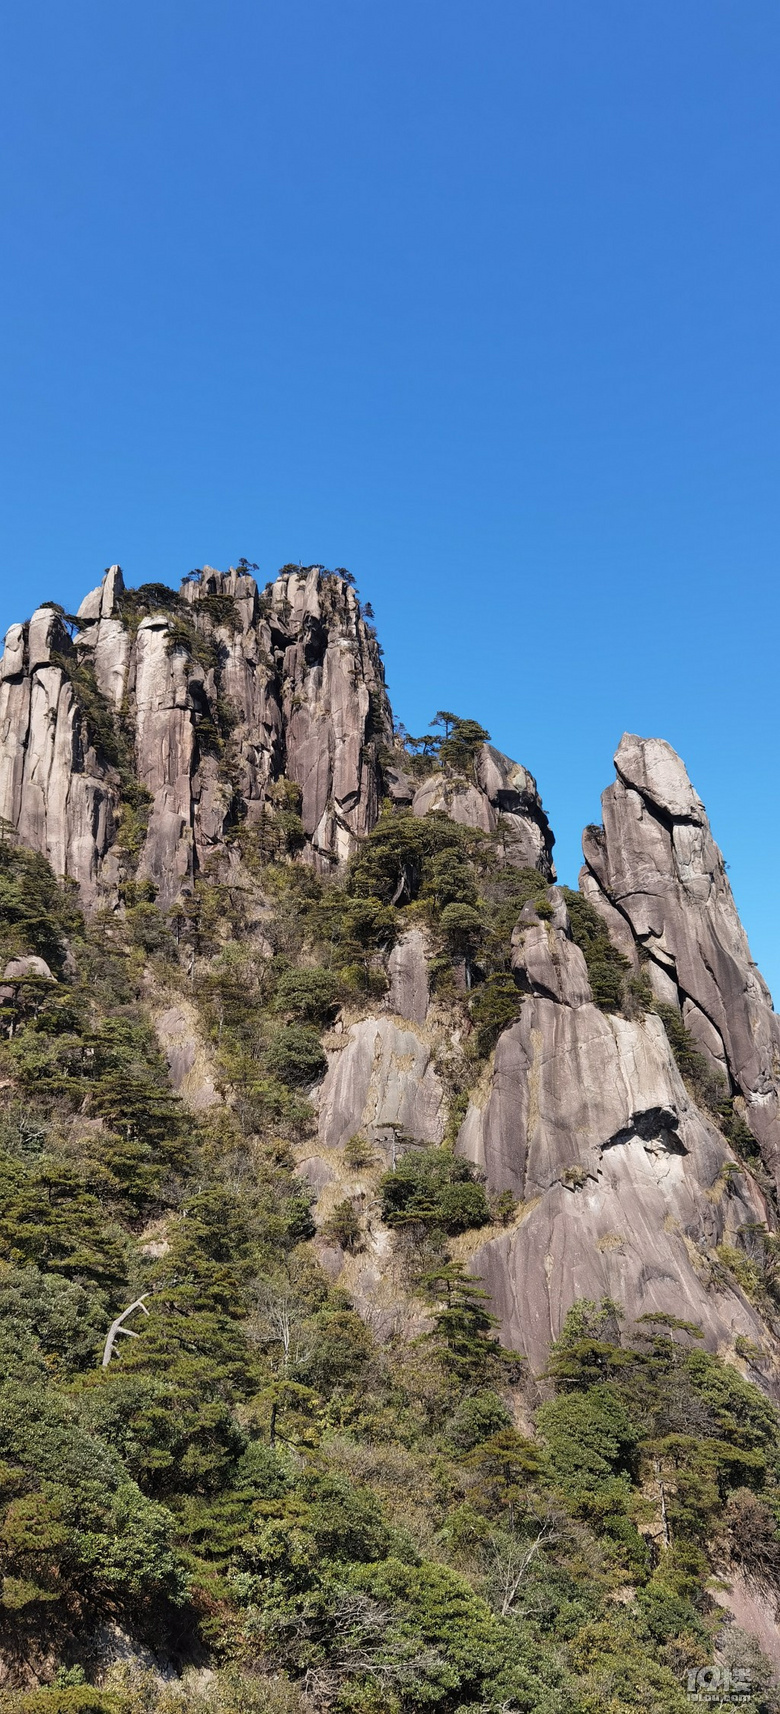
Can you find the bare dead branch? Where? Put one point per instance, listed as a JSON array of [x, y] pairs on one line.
[[117, 1327]]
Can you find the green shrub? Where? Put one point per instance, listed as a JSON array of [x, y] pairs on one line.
[[149, 931], [607, 968], [706, 1084], [463, 739], [37, 913], [359, 1152], [463, 926], [350, 932], [343, 1225], [589, 1438], [464, 1330], [296, 1057], [494, 1006], [475, 1420], [77, 1529], [406, 855], [308, 994], [433, 1188], [79, 1699]]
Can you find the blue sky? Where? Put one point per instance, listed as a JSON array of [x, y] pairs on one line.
[[477, 299]]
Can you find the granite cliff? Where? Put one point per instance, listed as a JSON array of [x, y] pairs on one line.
[[147, 739], [206, 700], [438, 1201]]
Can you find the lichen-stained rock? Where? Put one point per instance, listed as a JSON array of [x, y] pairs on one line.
[[189, 1068], [381, 1082], [220, 701], [29, 965], [53, 787], [334, 703], [299, 672], [460, 799], [520, 819], [399, 787], [638, 1233], [12, 663], [408, 994], [656, 863], [752, 1608], [707, 1039], [567, 1080], [166, 688], [104, 637], [620, 931]]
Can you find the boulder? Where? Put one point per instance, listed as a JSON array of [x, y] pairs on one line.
[[30, 965], [502, 799]]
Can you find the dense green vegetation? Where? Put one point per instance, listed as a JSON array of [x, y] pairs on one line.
[[257, 1483]]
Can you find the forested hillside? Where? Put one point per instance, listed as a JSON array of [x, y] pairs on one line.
[[238, 1118]]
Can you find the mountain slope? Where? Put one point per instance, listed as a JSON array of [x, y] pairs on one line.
[[299, 1037]]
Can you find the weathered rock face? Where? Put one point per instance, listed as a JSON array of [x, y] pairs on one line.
[[170, 723], [656, 866], [210, 706], [189, 1068], [408, 993], [381, 1082], [214, 695], [502, 799], [54, 788], [625, 1186]]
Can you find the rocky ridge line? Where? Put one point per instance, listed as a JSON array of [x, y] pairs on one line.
[[139, 746]]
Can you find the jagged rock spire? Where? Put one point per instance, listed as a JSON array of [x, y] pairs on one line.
[[212, 695], [170, 718], [656, 864]]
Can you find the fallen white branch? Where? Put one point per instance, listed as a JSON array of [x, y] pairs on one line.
[[117, 1327]]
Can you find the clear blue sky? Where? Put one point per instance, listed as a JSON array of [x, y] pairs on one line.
[[478, 298]]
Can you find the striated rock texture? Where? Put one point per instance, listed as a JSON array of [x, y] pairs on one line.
[[381, 1082], [203, 702], [626, 1187], [140, 746], [408, 993], [654, 866], [55, 788]]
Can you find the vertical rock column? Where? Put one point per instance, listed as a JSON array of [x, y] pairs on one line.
[[53, 788], [656, 864]]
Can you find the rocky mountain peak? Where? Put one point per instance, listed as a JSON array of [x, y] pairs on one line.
[[172, 726], [173, 717], [338, 1044]]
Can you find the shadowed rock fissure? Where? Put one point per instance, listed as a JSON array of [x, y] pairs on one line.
[[657, 1125]]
